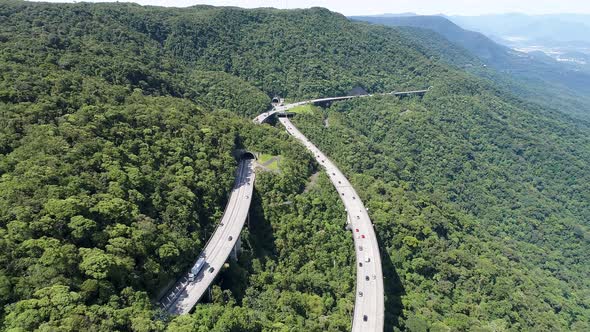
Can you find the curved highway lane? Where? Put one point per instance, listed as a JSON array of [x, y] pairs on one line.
[[278, 109], [185, 294], [369, 304]]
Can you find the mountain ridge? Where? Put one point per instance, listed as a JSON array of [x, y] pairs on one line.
[[118, 124], [539, 75]]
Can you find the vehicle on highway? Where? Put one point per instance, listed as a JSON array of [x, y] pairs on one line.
[[361, 248], [360, 294], [357, 230], [230, 238], [196, 269], [368, 259], [211, 269], [362, 236], [365, 318], [367, 278]]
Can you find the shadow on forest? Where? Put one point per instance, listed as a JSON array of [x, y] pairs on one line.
[[257, 243], [261, 236], [394, 290]]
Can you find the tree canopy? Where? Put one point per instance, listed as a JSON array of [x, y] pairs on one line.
[[118, 127]]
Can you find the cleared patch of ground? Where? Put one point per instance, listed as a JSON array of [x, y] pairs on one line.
[[269, 162], [303, 109]]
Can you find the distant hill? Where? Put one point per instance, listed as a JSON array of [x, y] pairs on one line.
[[117, 126], [541, 75], [475, 42], [559, 35], [557, 27]]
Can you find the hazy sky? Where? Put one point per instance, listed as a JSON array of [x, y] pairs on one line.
[[360, 7]]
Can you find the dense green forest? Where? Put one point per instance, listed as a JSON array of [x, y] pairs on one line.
[[525, 78], [115, 163], [297, 54], [117, 129], [480, 205]]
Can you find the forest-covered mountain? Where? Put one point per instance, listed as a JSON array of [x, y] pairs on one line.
[[552, 27], [479, 203], [118, 124], [563, 37], [534, 76], [474, 42]]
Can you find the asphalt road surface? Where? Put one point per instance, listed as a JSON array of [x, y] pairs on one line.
[[185, 295], [369, 304], [278, 109]]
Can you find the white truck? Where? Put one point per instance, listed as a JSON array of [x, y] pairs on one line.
[[196, 269]]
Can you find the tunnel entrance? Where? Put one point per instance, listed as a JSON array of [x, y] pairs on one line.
[[357, 91], [276, 100], [248, 155]]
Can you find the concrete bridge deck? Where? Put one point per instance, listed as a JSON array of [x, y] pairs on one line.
[[369, 308], [322, 101], [185, 294]]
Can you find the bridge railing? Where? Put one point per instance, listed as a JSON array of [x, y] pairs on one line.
[[169, 298]]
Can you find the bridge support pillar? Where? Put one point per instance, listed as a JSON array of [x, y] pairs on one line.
[[236, 248]]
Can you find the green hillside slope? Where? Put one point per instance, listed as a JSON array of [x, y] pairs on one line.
[[480, 204], [534, 77], [117, 126]]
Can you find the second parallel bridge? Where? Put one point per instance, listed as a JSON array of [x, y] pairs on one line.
[[369, 303]]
